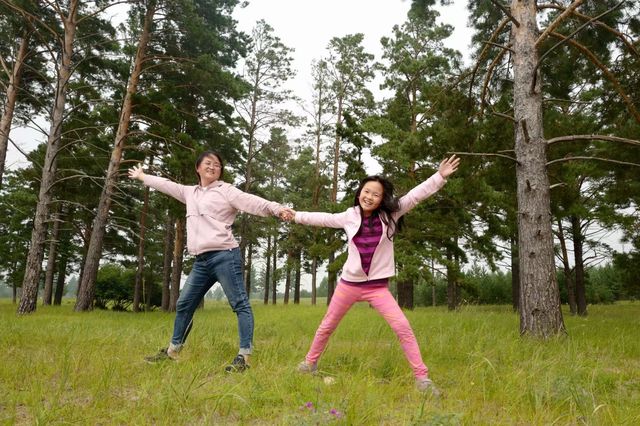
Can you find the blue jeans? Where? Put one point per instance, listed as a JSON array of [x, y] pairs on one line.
[[225, 267]]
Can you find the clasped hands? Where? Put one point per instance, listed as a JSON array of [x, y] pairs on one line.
[[287, 214]]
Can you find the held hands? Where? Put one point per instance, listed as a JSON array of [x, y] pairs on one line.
[[287, 214], [449, 166], [136, 172]]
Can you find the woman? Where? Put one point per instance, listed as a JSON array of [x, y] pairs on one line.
[[370, 226], [212, 206]]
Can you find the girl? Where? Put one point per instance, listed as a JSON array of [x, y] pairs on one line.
[[370, 226], [212, 206]]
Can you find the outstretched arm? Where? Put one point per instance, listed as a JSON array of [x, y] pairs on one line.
[[163, 185], [430, 186]]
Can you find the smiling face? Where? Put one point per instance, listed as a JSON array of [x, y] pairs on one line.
[[370, 197], [209, 170]]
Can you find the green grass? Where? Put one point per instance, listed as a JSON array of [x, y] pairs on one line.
[[62, 367]]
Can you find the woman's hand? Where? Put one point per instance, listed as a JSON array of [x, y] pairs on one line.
[[449, 166], [136, 172], [287, 214]]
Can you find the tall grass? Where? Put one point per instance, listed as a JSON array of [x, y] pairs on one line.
[[62, 367]]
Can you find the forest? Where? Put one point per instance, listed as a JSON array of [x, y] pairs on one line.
[[546, 120]]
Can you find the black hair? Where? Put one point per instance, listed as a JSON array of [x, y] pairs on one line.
[[388, 205], [206, 154]]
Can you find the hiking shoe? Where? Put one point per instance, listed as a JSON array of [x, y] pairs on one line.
[[426, 385], [305, 368], [238, 365], [162, 355]]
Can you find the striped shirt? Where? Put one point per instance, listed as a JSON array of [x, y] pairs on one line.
[[366, 240]]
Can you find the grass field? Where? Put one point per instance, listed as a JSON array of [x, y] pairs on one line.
[[62, 367]]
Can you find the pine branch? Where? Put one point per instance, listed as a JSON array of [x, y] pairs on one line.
[[506, 12], [621, 36], [568, 11], [592, 138], [607, 160], [564, 40], [497, 31], [484, 154]]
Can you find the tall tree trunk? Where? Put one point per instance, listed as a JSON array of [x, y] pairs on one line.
[[515, 275], [581, 292], [540, 313], [405, 293], [51, 260], [568, 273], [314, 280], [274, 280], [62, 274], [176, 270], [50, 166], [296, 281], [10, 99], [287, 281], [267, 274], [452, 282], [87, 286], [137, 290], [332, 277], [167, 258], [248, 279]]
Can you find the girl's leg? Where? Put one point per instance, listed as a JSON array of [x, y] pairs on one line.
[[383, 302], [343, 298]]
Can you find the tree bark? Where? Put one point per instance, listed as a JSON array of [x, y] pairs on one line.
[[51, 260], [296, 281], [568, 273], [581, 293], [87, 286], [452, 282], [169, 231], [274, 280], [540, 313], [515, 275], [62, 274], [287, 281], [248, 279], [137, 290], [267, 275], [10, 99], [176, 271], [314, 280], [33, 268]]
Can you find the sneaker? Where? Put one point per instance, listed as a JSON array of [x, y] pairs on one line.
[[426, 385], [162, 355], [303, 367], [238, 365]]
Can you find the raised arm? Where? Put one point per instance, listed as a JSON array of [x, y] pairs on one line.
[[329, 220], [429, 187]]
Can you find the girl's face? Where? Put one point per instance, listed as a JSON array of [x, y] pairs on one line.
[[370, 197], [209, 170]]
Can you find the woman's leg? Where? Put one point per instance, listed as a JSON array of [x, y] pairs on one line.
[[197, 285], [228, 269], [382, 301], [343, 298]]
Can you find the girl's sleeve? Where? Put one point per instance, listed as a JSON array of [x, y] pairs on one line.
[[329, 220], [166, 186], [421, 192]]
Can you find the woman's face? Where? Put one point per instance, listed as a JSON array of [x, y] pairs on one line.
[[209, 170], [371, 197]]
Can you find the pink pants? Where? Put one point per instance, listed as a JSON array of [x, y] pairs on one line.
[[382, 301]]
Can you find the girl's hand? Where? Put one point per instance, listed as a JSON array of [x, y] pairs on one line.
[[136, 172], [287, 214], [449, 166]]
